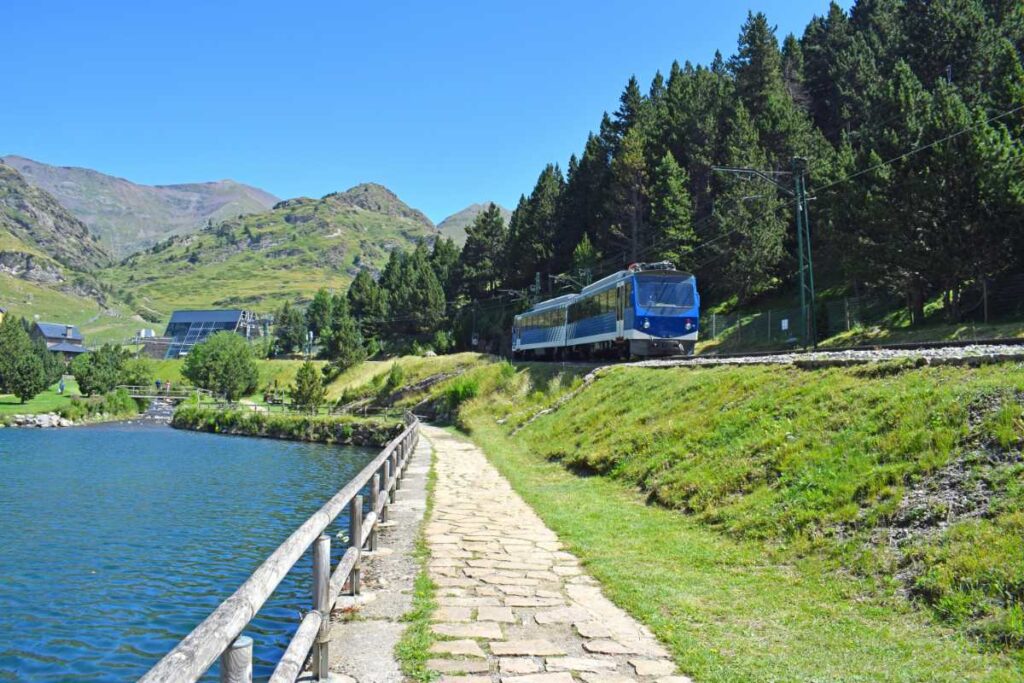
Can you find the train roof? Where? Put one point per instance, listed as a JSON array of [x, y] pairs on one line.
[[605, 283], [615, 278]]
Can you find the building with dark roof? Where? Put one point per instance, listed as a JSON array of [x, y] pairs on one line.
[[188, 328], [60, 338]]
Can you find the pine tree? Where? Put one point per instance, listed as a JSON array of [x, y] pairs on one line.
[[761, 89], [533, 224], [481, 263], [318, 313], [290, 328], [672, 235], [308, 392], [367, 303], [629, 171], [748, 222], [444, 260]]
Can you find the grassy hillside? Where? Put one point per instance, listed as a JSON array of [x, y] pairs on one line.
[[128, 217], [259, 261], [847, 524]]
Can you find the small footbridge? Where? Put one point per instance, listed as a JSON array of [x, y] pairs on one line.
[[174, 394]]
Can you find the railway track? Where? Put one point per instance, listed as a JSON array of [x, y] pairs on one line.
[[934, 353]]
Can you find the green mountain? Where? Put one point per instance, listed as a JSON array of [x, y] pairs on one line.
[[129, 217], [455, 225], [261, 260], [47, 263]]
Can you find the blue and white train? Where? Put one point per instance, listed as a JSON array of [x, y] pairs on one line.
[[646, 310]]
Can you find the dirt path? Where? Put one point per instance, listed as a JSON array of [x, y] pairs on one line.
[[514, 606]]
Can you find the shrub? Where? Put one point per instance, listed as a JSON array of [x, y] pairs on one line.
[[223, 364], [115, 403], [460, 390]]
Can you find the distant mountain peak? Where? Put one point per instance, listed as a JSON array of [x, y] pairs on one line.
[[379, 199], [128, 216], [454, 227]]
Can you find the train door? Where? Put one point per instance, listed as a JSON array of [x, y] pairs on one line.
[[620, 298]]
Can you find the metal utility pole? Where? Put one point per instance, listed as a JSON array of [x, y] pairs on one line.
[[803, 242], [803, 237]]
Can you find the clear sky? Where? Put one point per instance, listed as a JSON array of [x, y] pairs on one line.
[[446, 102]]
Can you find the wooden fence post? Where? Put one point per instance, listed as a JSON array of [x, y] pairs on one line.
[[384, 487], [393, 466], [400, 457], [355, 535], [322, 604], [374, 501], [236, 661]]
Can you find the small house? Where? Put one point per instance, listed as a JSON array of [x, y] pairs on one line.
[[60, 338]]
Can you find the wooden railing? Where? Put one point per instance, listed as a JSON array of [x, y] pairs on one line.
[[220, 634]]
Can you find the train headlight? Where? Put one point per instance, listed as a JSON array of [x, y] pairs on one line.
[[647, 324], [689, 325]]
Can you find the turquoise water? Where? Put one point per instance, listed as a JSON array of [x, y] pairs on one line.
[[116, 540]]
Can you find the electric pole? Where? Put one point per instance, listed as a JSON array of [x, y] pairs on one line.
[[803, 237]]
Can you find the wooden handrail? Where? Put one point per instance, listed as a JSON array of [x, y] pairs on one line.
[[190, 659]]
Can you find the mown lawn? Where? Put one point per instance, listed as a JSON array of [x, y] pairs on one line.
[[48, 401]]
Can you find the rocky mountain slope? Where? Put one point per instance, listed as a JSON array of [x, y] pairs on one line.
[[48, 261], [259, 261], [34, 224], [455, 225], [128, 216]]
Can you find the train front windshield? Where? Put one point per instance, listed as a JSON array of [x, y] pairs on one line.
[[664, 295]]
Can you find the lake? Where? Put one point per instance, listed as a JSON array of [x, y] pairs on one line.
[[117, 540]]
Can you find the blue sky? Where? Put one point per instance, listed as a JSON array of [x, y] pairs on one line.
[[446, 102]]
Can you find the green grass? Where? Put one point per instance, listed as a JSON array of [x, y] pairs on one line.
[[98, 324], [727, 609], [368, 376], [413, 648], [48, 401]]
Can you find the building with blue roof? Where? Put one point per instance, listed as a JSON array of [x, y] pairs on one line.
[[190, 327], [60, 338]]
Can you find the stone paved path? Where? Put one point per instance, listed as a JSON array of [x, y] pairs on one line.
[[514, 606]]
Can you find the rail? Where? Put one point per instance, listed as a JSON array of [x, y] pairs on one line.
[[220, 634], [152, 393]]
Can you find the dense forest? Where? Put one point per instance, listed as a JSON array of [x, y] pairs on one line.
[[908, 116]]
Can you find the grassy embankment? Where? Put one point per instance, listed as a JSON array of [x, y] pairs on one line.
[[364, 379], [340, 429], [779, 524]]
